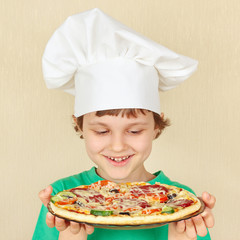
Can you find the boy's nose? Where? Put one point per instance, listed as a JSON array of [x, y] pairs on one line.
[[117, 143]]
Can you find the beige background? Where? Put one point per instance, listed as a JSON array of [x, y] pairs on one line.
[[200, 149]]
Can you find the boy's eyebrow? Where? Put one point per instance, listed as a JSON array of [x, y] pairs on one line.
[[130, 124], [97, 123]]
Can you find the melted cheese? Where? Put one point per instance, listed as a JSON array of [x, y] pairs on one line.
[[138, 199]]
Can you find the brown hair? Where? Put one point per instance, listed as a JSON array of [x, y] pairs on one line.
[[160, 122]]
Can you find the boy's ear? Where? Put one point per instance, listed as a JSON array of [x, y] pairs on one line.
[[156, 133], [75, 121], [77, 128]]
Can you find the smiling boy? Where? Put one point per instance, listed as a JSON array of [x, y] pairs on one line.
[[120, 145], [115, 78]]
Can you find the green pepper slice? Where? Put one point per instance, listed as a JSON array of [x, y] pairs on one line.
[[66, 194], [62, 196], [101, 213], [167, 209], [55, 199]]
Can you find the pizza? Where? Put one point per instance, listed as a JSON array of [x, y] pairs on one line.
[[135, 203]]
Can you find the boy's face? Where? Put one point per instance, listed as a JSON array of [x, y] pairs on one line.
[[119, 145]]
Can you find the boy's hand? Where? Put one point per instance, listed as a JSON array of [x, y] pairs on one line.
[[61, 224], [189, 229]]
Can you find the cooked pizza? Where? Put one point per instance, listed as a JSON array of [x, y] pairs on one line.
[[135, 203]]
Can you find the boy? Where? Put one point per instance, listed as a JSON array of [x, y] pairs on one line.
[[116, 80]]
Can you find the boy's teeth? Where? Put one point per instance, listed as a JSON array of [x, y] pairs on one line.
[[118, 159]]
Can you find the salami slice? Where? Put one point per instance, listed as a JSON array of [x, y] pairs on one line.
[[105, 202]]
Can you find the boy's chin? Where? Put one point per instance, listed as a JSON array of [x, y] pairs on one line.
[[116, 175]]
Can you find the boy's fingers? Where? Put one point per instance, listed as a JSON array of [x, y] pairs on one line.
[[180, 226], [200, 226], [45, 195], [60, 224], [75, 227], [209, 200], [207, 215], [190, 229], [50, 220], [208, 218], [89, 229]]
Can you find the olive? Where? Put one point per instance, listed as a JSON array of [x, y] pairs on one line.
[[67, 196], [171, 196], [80, 203], [113, 191], [125, 213]]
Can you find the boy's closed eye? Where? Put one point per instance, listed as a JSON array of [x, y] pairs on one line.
[[101, 132], [135, 131]]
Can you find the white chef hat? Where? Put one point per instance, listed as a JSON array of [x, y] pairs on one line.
[[107, 65]]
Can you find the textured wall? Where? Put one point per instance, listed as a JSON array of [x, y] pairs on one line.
[[200, 149]]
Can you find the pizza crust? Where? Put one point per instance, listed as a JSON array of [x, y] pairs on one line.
[[122, 220]]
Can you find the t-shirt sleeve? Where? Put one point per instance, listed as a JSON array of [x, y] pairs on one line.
[[42, 231], [161, 177], [207, 237]]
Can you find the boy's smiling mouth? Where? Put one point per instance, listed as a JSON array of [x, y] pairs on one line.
[[119, 161]]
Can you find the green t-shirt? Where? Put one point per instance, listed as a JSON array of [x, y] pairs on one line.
[[43, 232]]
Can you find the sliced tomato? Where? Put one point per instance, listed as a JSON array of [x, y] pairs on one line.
[[104, 182], [150, 211], [67, 201], [131, 209], [162, 198], [99, 184], [158, 197]]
